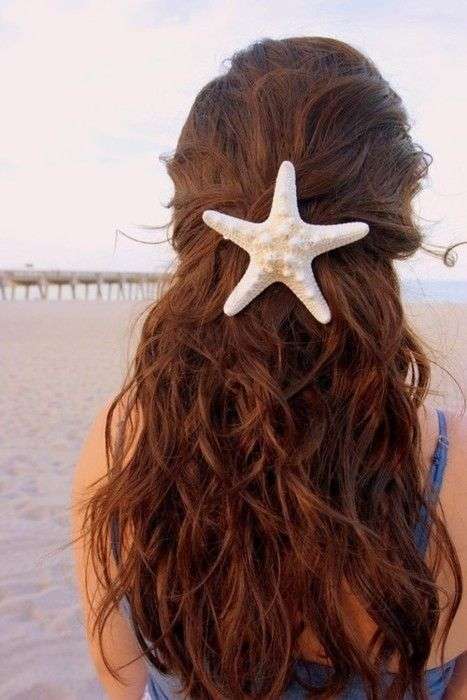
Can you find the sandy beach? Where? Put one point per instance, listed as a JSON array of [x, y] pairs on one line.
[[59, 362]]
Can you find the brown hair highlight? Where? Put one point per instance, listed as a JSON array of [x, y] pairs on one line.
[[276, 462]]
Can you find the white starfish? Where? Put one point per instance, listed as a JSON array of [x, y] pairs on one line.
[[282, 248]]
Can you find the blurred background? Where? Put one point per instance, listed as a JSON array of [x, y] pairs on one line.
[[92, 94]]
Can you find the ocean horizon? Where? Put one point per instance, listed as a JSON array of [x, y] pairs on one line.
[[428, 290]]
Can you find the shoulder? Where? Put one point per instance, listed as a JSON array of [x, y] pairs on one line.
[[455, 476], [455, 473], [453, 502], [453, 494], [457, 431], [93, 463]]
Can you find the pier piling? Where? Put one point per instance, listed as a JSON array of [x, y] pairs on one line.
[[147, 285]]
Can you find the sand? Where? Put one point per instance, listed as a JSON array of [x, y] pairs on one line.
[[59, 362]]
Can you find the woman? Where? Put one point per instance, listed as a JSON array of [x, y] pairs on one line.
[[256, 512]]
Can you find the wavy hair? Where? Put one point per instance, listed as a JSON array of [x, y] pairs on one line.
[[267, 464]]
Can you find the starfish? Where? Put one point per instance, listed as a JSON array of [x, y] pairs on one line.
[[282, 247]]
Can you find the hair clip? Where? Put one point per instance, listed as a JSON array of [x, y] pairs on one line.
[[282, 248]]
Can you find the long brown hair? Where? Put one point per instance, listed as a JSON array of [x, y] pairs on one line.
[[276, 461]]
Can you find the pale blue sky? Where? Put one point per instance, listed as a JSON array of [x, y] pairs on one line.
[[94, 92]]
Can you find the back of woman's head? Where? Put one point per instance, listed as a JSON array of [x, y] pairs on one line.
[[277, 464]]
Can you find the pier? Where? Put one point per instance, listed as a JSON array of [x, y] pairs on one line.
[[97, 285]]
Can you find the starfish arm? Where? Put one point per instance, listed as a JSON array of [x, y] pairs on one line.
[[320, 239], [253, 282], [241, 232], [303, 283], [284, 200]]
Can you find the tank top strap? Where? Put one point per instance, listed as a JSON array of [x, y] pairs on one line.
[[435, 480], [440, 456]]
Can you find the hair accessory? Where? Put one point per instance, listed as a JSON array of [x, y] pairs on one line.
[[282, 248]]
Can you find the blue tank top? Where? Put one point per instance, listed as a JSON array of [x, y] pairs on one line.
[[164, 687]]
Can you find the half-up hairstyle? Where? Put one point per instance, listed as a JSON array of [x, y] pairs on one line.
[[267, 464]]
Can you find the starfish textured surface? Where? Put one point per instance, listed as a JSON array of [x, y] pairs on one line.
[[282, 248]]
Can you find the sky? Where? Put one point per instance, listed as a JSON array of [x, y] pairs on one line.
[[94, 92]]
